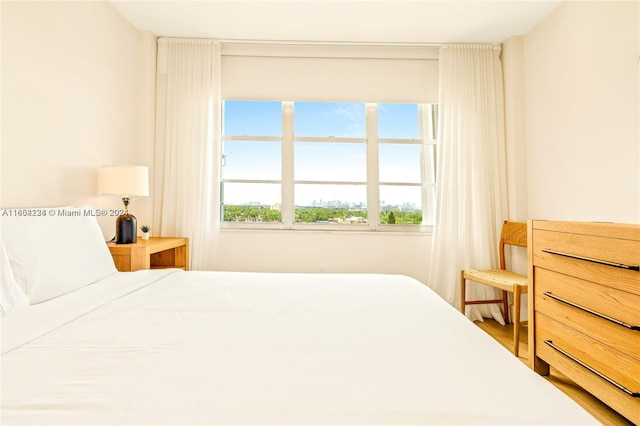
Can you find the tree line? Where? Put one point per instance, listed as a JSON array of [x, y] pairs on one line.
[[255, 213]]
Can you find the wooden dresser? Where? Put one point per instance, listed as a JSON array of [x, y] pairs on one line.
[[585, 299]]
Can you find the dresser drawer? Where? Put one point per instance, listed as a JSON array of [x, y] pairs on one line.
[[591, 351], [621, 401], [552, 250], [607, 301], [610, 333]]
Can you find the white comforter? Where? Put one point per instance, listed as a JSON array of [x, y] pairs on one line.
[[182, 348]]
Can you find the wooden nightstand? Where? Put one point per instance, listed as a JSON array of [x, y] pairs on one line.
[[154, 253]]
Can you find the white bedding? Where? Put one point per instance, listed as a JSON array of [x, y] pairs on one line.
[[174, 347]]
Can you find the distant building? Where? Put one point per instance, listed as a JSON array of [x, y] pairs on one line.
[[355, 219]]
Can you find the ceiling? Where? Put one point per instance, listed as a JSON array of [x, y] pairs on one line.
[[357, 21]]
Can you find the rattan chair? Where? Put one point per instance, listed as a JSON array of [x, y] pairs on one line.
[[513, 233]]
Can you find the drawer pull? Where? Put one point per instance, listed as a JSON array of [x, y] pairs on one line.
[[593, 370], [598, 314], [589, 259]]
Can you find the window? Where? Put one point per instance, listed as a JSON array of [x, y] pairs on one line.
[[324, 165], [406, 153]]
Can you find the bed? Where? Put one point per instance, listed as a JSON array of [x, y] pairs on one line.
[[169, 347]]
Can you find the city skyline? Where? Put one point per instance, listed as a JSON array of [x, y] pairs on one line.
[[336, 203]]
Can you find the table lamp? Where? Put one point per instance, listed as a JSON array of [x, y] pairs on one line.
[[125, 182]]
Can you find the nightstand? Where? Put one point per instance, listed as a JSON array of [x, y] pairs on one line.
[[154, 253]]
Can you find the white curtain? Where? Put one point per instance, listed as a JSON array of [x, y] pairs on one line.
[[188, 122], [471, 173]]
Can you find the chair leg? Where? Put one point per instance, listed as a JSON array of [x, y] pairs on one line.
[[463, 292], [517, 291], [505, 304]]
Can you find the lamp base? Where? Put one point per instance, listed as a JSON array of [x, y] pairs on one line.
[[126, 226]]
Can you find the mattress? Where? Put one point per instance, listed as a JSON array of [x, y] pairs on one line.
[[210, 348]]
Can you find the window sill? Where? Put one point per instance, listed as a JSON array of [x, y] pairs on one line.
[[338, 229]]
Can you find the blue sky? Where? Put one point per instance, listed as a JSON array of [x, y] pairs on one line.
[[319, 161]]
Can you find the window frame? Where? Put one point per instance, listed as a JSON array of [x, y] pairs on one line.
[[427, 133]]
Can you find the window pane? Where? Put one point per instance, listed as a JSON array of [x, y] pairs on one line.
[[333, 161], [325, 119], [251, 160], [252, 118], [330, 203], [398, 121], [399, 163], [251, 202], [400, 205]]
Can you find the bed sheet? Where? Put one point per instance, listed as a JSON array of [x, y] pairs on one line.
[[31, 322], [262, 348]]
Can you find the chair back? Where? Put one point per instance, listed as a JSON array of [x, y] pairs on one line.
[[513, 233]]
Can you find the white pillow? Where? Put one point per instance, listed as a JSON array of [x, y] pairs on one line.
[[11, 296], [55, 251]]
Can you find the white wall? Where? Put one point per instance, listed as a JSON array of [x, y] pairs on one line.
[[78, 87], [582, 113], [330, 252], [572, 117]]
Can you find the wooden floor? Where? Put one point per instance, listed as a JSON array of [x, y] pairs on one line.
[[602, 412]]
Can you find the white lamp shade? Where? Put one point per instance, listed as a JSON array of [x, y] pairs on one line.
[[124, 181]]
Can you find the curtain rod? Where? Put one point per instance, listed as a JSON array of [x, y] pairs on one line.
[[315, 42], [330, 43]]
